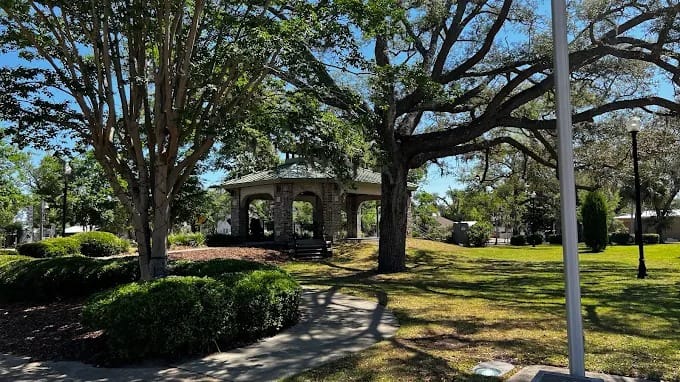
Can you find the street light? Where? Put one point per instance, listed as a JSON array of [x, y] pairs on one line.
[[67, 172], [533, 217], [633, 128]]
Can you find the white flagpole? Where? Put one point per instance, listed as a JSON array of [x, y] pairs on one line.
[[567, 190]]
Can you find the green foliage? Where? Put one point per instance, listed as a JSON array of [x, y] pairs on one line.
[[535, 239], [594, 215], [196, 239], [7, 252], [650, 238], [26, 279], [222, 240], [518, 240], [165, 317], [479, 233], [182, 315], [53, 247], [621, 238], [101, 244], [554, 239]]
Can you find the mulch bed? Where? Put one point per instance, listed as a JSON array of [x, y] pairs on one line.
[[262, 255], [49, 331], [53, 332]]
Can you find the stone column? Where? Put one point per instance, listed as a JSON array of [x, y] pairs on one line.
[[409, 217], [353, 217], [283, 212], [332, 206], [236, 212]]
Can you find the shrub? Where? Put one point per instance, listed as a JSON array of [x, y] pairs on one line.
[[9, 258], [222, 240], [215, 268], [28, 279], [53, 247], [166, 317], [265, 301], [7, 252], [650, 238], [594, 214], [621, 238], [180, 315], [554, 239], [479, 233], [535, 239], [518, 240], [101, 244], [187, 239]]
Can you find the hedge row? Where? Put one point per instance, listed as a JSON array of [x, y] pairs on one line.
[[24, 278], [623, 238], [187, 239], [91, 244], [222, 240], [182, 315]]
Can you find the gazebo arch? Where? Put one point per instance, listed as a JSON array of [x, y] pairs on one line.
[[295, 178]]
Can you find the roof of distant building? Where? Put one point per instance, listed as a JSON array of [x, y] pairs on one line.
[[297, 169], [647, 214]]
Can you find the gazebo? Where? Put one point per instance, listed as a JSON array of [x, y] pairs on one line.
[[296, 180]]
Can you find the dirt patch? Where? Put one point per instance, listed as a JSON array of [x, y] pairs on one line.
[[262, 255], [50, 331]]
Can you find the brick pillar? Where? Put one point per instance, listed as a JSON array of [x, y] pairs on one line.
[[283, 212], [353, 217], [235, 212], [332, 206]]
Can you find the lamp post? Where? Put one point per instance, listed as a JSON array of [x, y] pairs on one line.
[[533, 217], [67, 172], [633, 128]]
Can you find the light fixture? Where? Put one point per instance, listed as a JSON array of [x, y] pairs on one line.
[[634, 125]]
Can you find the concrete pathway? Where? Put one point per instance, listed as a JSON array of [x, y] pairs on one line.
[[332, 326], [528, 373]]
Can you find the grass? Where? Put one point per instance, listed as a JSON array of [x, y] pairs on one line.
[[460, 306]]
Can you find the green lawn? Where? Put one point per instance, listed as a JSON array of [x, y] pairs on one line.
[[459, 306]]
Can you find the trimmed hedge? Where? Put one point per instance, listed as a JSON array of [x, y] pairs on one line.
[[181, 315], [650, 238], [479, 233], [53, 247], [594, 216], [166, 317], [222, 240], [187, 239], [621, 238], [535, 239], [518, 240], [27, 279], [101, 244], [554, 239]]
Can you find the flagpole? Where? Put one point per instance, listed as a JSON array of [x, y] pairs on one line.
[[567, 190]]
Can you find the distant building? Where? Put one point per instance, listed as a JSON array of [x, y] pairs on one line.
[[671, 233]]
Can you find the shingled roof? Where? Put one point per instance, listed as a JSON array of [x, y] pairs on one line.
[[298, 170]]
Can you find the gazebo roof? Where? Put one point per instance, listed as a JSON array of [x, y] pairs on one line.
[[298, 170]]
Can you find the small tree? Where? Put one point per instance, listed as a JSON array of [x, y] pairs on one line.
[[594, 214]]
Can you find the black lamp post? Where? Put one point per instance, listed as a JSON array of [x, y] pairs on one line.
[[67, 172], [533, 217], [633, 129]]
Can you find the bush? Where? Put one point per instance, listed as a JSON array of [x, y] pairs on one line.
[[53, 247], [180, 315], [166, 317], [554, 239], [222, 240], [518, 240], [7, 252], [479, 233], [27, 279], [535, 239], [187, 239], [101, 244], [650, 238], [621, 238], [594, 214]]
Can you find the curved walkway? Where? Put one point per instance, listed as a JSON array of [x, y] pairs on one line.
[[332, 325]]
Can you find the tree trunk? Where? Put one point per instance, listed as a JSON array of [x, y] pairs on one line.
[[158, 261], [393, 219]]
